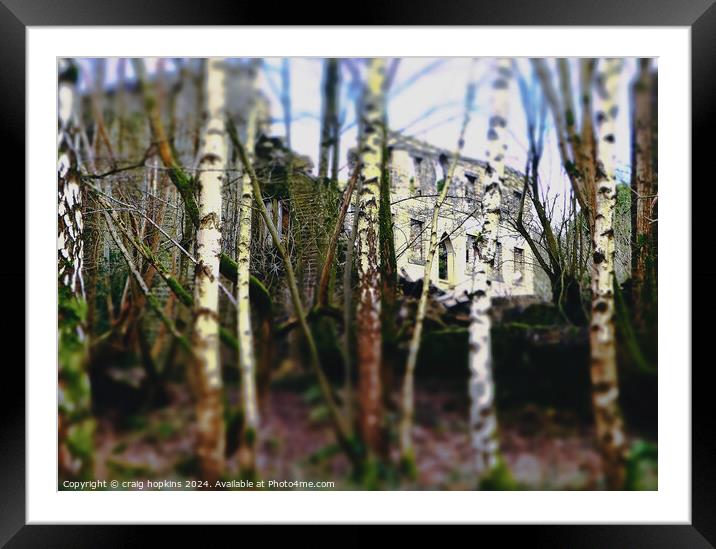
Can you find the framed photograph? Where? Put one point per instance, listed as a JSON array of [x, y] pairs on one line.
[[413, 270]]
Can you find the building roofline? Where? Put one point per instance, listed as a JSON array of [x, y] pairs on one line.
[[401, 138]]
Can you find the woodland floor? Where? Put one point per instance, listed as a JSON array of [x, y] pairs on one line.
[[545, 449]]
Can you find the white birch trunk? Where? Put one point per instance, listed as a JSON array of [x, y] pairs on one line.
[[247, 359], [483, 419], [74, 418], [603, 366], [69, 212], [206, 279], [368, 313]]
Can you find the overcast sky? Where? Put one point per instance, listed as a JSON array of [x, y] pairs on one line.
[[427, 102]]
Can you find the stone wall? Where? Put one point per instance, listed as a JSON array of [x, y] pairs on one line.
[[417, 170]]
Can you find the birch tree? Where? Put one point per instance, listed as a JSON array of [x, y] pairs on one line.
[[589, 163], [576, 148], [483, 419], [603, 366], [408, 400], [247, 360], [342, 430], [212, 162], [75, 426], [70, 222], [368, 320]]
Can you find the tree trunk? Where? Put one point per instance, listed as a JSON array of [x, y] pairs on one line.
[[336, 129], [70, 222], [286, 98], [389, 279], [586, 153], [408, 400], [341, 429], [187, 110], [94, 240], [603, 366], [577, 163], [75, 423], [322, 297], [247, 359], [643, 192], [179, 177], [483, 419], [369, 341], [210, 417], [329, 118]]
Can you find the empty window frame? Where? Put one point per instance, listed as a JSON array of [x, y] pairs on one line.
[[519, 265], [417, 228], [497, 267]]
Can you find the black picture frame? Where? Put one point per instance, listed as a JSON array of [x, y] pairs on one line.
[[16, 15]]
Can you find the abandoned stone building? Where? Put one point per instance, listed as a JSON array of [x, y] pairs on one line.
[[417, 171]]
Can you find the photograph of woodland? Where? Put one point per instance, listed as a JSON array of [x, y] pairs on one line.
[[357, 274]]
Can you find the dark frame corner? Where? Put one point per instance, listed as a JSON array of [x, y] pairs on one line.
[[700, 15]]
